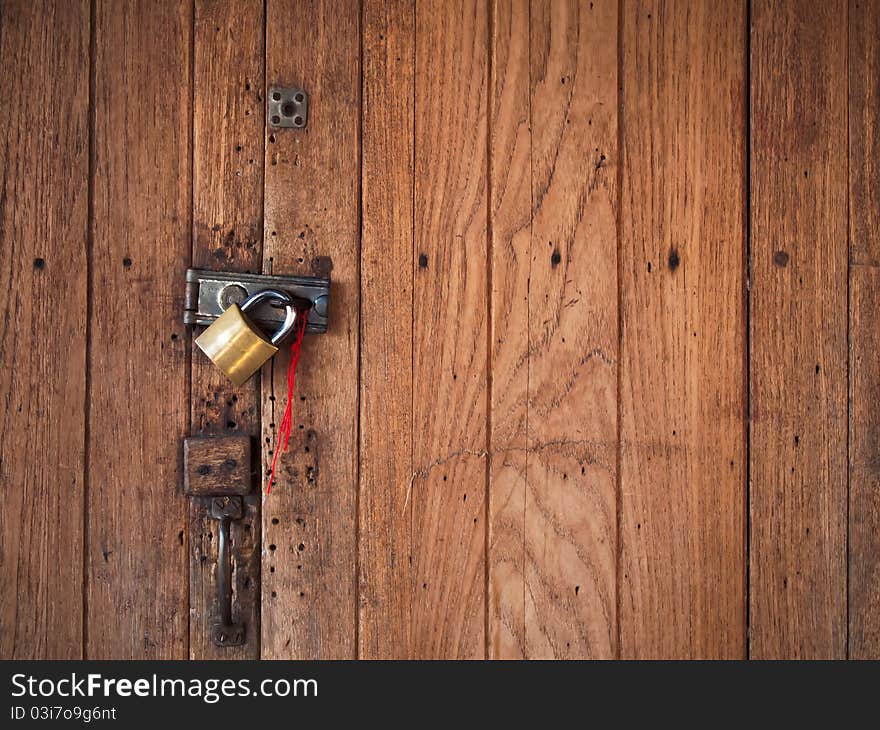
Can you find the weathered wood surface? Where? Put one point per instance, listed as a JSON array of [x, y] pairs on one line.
[[798, 313], [311, 227], [139, 358], [683, 349], [44, 128], [864, 332], [527, 432], [448, 485], [228, 156], [217, 465], [386, 376], [552, 540]]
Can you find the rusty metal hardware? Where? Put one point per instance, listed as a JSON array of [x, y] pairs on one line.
[[288, 107], [224, 631], [236, 346], [210, 293], [218, 479]]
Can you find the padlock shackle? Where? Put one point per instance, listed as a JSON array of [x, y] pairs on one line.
[[274, 295]]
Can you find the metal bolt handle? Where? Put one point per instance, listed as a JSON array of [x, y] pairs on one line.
[[225, 632]]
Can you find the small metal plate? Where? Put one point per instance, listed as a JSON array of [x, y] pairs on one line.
[[209, 294], [288, 107]]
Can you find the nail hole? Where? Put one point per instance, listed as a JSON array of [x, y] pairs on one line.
[[276, 119], [276, 96]]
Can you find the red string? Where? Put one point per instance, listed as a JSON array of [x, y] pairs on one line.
[[287, 421]]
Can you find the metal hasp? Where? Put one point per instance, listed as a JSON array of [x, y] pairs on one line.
[[288, 107], [217, 477], [210, 293]]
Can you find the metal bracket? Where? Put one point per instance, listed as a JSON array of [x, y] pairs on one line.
[[217, 476], [288, 107], [210, 293]]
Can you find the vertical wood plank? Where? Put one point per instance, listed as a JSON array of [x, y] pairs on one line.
[[448, 487], [510, 250], [386, 330], [554, 360], [311, 227], [864, 288], [228, 148], [683, 347], [139, 410], [44, 164], [571, 524], [798, 330]]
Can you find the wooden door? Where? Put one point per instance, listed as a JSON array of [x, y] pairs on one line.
[[600, 378]]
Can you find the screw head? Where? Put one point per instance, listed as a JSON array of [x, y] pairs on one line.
[[231, 294]]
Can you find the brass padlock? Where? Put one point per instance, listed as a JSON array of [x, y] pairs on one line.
[[236, 345]]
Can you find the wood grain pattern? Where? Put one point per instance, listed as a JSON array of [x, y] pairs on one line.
[[139, 364], [448, 487], [571, 533], [228, 156], [311, 226], [683, 371], [798, 331], [597, 383], [864, 332], [386, 331], [44, 57], [554, 336], [510, 264], [216, 465]]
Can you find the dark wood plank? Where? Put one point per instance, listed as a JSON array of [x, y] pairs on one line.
[[311, 226], [217, 465], [554, 337], [448, 489], [798, 330], [864, 334], [139, 410], [44, 165], [386, 330], [228, 156], [683, 343]]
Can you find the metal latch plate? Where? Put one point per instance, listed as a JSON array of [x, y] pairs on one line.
[[210, 293], [288, 107]]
